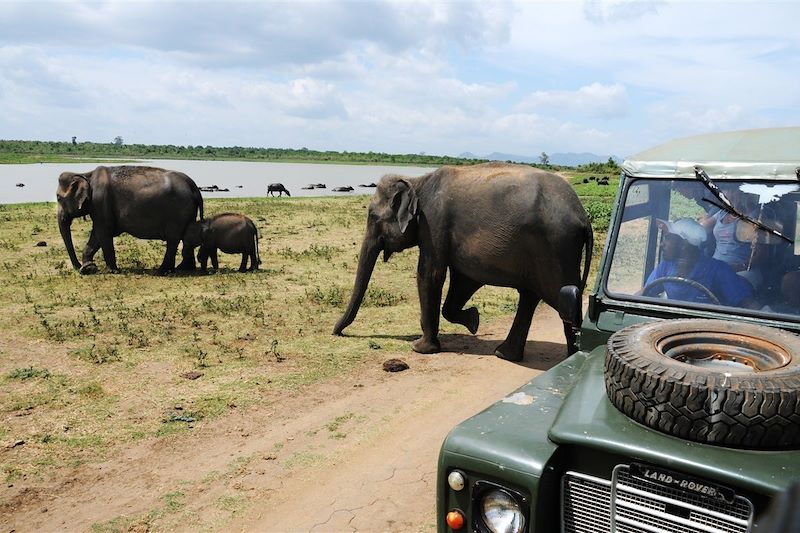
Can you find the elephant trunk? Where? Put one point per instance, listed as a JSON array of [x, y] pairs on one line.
[[65, 226], [370, 249]]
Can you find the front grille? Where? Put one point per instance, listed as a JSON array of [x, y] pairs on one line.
[[587, 503], [632, 504]]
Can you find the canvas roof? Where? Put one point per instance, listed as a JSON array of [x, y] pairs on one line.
[[759, 153]]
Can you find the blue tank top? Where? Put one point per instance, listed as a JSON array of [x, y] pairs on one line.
[[729, 249]]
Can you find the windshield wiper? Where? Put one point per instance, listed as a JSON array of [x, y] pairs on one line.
[[726, 205]]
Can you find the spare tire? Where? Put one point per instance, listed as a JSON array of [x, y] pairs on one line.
[[712, 381]]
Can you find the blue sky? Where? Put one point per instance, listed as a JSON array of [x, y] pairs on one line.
[[608, 77]]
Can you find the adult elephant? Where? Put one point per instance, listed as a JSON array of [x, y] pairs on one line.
[[148, 203], [491, 224]]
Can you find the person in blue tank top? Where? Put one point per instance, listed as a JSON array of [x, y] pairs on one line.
[[682, 257], [740, 255]]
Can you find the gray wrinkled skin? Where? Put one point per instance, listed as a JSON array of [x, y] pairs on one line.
[[492, 224], [146, 202]]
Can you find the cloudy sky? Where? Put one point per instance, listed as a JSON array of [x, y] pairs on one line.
[[608, 77]]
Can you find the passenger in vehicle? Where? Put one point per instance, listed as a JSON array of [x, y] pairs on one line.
[[721, 224], [790, 295], [681, 257]]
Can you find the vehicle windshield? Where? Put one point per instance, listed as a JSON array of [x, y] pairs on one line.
[[674, 242]]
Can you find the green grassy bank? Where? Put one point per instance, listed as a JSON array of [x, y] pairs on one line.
[[88, 363]]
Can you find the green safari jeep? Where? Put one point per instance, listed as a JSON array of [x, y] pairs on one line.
[[679, 408]]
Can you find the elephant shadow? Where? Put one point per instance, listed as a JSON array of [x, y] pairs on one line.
[[539, 355]]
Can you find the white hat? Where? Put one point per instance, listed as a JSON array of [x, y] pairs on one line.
[[686, 228]]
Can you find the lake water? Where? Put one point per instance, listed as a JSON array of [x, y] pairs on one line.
[[243, 178]]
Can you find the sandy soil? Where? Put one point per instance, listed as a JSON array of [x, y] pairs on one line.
[[358, 454]]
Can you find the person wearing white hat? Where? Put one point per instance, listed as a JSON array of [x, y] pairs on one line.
[[681, 257]]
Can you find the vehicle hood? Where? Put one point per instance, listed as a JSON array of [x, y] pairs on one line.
[[588, 419], [511, 435]]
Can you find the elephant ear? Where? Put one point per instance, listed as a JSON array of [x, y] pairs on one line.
[[79, 191], [404, 204]]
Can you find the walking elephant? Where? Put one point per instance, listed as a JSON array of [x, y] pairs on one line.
[[147, 202], [491, 224], [230, 232], [273, 188]]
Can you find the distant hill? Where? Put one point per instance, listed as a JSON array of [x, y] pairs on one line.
[[568, 159]]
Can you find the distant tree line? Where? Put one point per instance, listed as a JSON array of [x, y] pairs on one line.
[[44, 151], [29, 151], [609, 167]]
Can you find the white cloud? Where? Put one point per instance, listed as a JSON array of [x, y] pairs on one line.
[[604, 11], [441, 77], [696, 119], [308, 98], [593, 101]]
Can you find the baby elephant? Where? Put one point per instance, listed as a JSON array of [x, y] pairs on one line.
[[230, 232]]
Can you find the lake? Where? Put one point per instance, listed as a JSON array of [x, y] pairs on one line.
[[242, 178]]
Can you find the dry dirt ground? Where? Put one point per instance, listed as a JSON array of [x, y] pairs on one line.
[[357, 454]]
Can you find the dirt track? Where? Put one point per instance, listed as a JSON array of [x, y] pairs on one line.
[[358, 454]]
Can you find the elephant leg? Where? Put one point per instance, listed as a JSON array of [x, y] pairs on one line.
[[101, 238], [214, 259], [243, 265], [430, 280], [513, 348], [109, 254], [187, 261], [461, 290], [253, 261], [92, 245], [168, 264], [202, 258], [87, 260]]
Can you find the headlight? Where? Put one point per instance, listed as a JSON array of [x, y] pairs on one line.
[[501, 512]]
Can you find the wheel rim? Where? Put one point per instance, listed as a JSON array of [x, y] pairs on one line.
[[725, 352]]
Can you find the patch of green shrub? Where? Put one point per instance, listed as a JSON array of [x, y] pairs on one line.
[[30, 372], [599, 214]]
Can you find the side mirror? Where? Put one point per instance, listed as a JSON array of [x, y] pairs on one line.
[[569, 305]]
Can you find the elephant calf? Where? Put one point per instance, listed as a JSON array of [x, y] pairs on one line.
[[230, 232]]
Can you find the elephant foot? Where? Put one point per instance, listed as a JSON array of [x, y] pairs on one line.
[[89, 268], [472, 320], [186, 267], [509, 353], [423, 345]]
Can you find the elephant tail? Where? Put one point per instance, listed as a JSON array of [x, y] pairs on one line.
[[255, 237], [198, 200], [587, 262]]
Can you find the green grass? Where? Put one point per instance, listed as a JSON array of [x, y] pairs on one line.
[[28, 373], [99, 360]]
